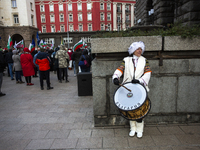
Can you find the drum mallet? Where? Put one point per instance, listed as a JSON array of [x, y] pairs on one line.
[[125, 87]]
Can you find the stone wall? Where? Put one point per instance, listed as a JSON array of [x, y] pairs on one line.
[[174, 85]]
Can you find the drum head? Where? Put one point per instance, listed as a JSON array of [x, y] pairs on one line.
[[126, 100]]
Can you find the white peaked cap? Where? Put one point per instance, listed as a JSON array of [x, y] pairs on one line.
[[135, 45]]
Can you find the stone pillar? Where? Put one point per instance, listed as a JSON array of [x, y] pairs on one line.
[[114, 17], [132, 15], [123, 17]]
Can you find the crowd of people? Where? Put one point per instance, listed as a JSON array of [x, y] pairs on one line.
[[38, 63]]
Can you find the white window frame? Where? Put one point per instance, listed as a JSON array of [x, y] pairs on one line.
[[101, 6], [51, 8], [43, 19], [89, 6], [16, 18], [102, 18], [70, 17], [80, 27], [80, 17], [49, 40], [32, 20], [41, 8], [71, 28], [53, 28], [89, 17], [60, 7], [79, 5], [108, 17], [108, 6], [44, 30], [89, 27], [62, 28], [65, 40], [102, 26], [14, 3], [61, 17], [52, 18], [31, 6], [69, 7], [109, 27]]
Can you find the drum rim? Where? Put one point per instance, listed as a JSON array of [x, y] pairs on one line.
[[132, 83], [140, 117]]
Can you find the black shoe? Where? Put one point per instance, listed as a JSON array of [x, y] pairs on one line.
[[2, 94], [60, 81], [12, 79], [66, 81], [49, 88], [42, 88]]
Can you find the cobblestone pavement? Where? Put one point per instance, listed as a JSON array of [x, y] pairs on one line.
[[58, 119]]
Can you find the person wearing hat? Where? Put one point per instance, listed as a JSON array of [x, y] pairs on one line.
[[27, 66], [135, 68]]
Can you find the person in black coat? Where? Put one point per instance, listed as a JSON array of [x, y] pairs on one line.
[[2, 67], [86, 57], [9, 61]]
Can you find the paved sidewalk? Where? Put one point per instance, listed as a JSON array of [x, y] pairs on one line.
[[32, 119]]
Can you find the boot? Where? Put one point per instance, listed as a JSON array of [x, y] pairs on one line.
[[139, 130], [132, 128]]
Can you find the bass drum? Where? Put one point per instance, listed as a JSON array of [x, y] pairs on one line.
[[132, 101]]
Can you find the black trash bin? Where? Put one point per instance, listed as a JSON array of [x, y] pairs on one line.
[[84, 81]]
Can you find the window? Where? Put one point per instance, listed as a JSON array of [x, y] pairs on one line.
[[44, 29], [89, 17], [60, 7], [32, 20], [16, 19], [70, 18], [65, 40], [43, 18], [101, 6], [108, 27], [52, 28], [61, 18], [108, 7], [69, 7], [80, 17], [108, 17], [42, 8], [51, 8], [49, 40], [127, 26], [31, 6], [127, 18], [71, 28], [102, 27], [89, 27], [79, 7], [86, 39], [80, 27], [127, 8], [14, 3], [102, 17], [52, 19], [62, 28], [118, 8], [118, 18], [89, 6]]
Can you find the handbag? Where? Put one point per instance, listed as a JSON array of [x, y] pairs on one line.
[[83, 63]]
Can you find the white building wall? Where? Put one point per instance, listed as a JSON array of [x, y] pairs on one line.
[[23, 10]]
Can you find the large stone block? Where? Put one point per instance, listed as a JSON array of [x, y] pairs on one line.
[[174, 66], [176, 43], [194, 65], [188, 94], [163, 94], [121, 44], [99, 97]]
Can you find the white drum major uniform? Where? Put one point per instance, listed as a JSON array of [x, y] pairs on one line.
[[134, 103]]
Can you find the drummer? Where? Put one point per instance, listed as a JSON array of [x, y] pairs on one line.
[[135, 68]]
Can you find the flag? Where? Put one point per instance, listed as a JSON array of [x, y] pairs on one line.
[[15, 46], [38, 39], [78, 45], [10, 43], [32, 46], [85, 45], [61, 42], [20, 44], [41, 43], [52, 45]]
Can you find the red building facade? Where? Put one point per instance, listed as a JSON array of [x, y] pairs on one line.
[[84, 15]]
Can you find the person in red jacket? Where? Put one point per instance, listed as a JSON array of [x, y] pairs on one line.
[[27, 66], [43, 61]]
